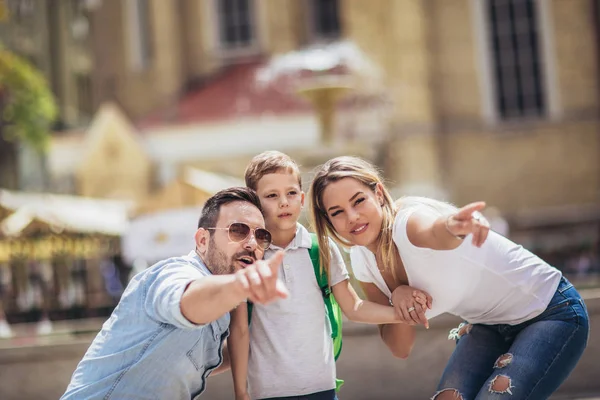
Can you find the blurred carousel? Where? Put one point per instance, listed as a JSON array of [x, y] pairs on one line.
[[60, 257]]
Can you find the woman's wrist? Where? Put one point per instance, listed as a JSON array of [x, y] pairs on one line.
[[402, 285], [447, 226]]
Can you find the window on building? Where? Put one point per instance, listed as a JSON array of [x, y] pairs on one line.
[[19, 10], [236, 23], [140, 33], [325, 19], [516, 57], [85, 100], [79, 22], [75, 7]]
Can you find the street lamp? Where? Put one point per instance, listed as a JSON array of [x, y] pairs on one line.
[[324, 92], [323, 75]]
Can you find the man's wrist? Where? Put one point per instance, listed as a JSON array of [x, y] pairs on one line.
[[237, 288]]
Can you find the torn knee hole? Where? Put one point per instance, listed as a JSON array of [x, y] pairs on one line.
[[503, 360], [447, 394], [500, 384]]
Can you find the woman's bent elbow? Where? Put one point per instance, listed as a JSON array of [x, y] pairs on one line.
[[401, 353], [399, 342]]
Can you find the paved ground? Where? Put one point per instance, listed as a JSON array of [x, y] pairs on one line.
[[42, 366]]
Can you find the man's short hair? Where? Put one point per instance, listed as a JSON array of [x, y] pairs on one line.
[[210, 212], [270, 162]]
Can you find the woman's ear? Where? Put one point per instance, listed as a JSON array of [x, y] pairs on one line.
[[379, 193]]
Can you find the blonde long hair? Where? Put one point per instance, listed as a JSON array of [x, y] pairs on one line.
[[366, 173], [350, 167]]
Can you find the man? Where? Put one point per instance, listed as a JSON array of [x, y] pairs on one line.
[[166, 334]]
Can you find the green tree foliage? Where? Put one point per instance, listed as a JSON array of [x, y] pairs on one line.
[[27, 104]]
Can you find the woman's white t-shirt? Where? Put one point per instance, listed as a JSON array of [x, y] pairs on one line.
[[498, 283]]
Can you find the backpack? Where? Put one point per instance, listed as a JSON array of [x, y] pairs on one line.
[[334, 312]]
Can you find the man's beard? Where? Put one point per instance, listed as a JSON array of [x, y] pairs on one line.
[[217, 263], [216, 260]]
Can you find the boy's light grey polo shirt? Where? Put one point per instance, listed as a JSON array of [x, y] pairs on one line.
[[291, 350]]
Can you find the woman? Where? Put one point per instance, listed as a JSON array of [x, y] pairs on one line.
[[525, 325]]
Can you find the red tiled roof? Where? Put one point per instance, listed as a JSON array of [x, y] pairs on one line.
[[236, 93], [233, 94]]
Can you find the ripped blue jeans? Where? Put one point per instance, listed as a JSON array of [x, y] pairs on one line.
[[525, 361], [326, 395]]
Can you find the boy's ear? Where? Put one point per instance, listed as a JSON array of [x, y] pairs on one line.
[[202, 238], [302, 198]]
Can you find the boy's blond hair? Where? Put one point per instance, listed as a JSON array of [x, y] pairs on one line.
[[270, 162]]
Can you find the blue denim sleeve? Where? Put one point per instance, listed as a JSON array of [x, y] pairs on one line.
[[163, 294]]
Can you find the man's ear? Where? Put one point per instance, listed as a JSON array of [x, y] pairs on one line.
[[202, 238]]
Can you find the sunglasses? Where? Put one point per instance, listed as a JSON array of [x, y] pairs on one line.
[[238, 232]]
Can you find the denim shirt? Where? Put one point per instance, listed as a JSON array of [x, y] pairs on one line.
[[147, 349]]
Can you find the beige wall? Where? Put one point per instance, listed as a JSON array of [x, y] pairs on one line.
[[160, 83], [395, 35], [139, 91], [576, 56], [527, 165], [550, 165], [280, 19], [196, 46], [453, 43]]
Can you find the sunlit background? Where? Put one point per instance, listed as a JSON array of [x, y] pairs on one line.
[[120, 117]]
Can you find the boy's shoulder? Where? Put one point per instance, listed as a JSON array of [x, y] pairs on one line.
[[303, 232]]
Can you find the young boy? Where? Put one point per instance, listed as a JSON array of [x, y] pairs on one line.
[[291, 349]]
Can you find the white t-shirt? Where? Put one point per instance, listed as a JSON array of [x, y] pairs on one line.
[[499, 283], [291, 350]]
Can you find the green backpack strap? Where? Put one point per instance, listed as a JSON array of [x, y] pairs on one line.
[[250, 306], [334, 312]]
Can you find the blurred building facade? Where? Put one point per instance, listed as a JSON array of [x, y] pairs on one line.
[[487, 99], [494, 100], [110, 50], [54, 37]]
